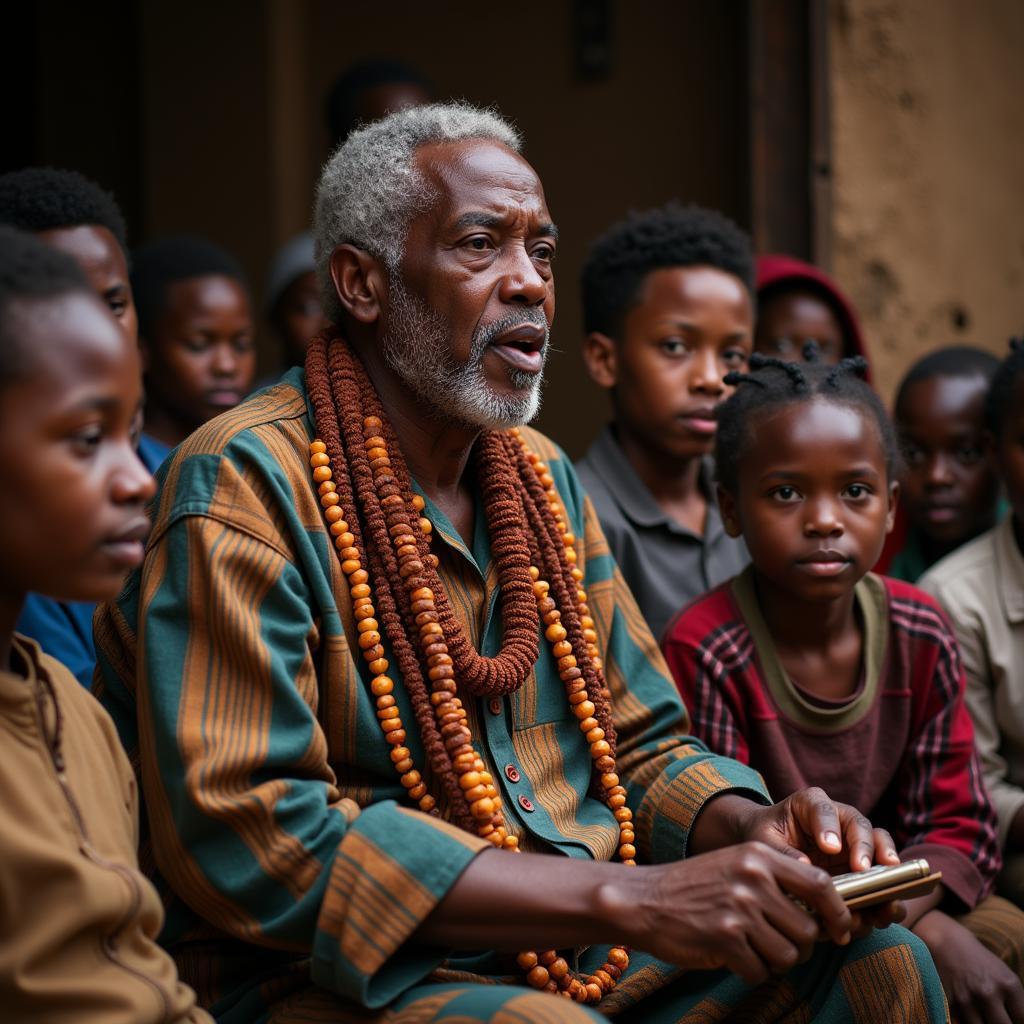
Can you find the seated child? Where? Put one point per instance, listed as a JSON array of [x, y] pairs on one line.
[[78, 920], [797, 303], [981, 586], [73, 214], [949, 489], [294, 308], [668, 313], [195, 330], [818, 673]]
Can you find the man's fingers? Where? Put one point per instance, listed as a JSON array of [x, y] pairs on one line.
[[818, 817], [741, 959], [815, 888], [1015, 1005]]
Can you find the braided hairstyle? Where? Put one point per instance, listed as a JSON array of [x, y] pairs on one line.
[[773, 383], [999, 400], [523, 532]]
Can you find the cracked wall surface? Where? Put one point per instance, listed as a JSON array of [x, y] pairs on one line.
[[928, 158]]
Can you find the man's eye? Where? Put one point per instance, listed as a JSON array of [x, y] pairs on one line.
[[479, 243], [543, 252], [913, 456]]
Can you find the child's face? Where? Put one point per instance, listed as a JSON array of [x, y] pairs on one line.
[[786, 323], [691, 326], [812, 500], [201, 359], [72, 490], [1009, 452], [299, 316], [100, 255], [949, 488]]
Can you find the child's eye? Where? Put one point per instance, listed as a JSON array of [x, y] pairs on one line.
[[242, 344], [84, 442], [673, 347], [969, 456], [856, 491], [197, 344], [913, 455], [735, 357], [786, 493]]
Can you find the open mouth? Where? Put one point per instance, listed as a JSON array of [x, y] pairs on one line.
[[522, 347]]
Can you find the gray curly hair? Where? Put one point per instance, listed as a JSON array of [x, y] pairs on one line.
[[370, 189]]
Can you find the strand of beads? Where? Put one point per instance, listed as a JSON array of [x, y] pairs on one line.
[[367, 627]]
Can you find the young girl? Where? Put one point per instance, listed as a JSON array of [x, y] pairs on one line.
[[817, 673], [78, 921]]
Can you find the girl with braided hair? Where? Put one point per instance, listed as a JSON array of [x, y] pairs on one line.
[[815, 671]]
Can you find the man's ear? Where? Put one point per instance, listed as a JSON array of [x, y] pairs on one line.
[[894, 500], [600, 356], [359, 282], [727, 508]]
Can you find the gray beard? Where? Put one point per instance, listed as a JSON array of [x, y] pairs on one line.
[[416, 347]]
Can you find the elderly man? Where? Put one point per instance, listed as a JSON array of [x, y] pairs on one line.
[[401, 730]]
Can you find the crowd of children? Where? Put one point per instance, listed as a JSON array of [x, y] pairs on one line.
[[748, 484]]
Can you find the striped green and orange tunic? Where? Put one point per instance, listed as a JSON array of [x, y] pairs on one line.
[[294, 870]]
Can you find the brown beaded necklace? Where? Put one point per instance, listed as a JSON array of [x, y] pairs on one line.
[[359, 471]]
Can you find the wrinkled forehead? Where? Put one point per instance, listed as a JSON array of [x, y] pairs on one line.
[[480, 175]]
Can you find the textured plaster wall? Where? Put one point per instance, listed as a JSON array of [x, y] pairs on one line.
[[928, 148]]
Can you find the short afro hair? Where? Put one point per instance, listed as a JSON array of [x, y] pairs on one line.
[[668, 236], [161, 263], [342, 107], [42, 198], [30, 271], [953, 361], [999, 400], [773, 384]]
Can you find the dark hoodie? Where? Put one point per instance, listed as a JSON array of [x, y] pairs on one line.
[[777, 273]]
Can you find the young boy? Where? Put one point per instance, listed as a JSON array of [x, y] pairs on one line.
[[817, 673], [949, 489], [294, 307], [78, 921], [981, 586], [195, 330], [798, 303], [668, 311], [73, 214]]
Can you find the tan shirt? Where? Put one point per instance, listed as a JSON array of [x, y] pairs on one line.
[[78, 921], [981, 586]]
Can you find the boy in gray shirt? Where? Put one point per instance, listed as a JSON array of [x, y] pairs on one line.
[[668, 311]]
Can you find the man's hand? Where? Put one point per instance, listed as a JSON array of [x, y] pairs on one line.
[[980, 988], [733, 909]]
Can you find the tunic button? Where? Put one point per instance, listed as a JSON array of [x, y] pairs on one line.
[[512, 773], [494, 705], [526, 803]]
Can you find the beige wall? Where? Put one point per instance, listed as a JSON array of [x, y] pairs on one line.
[[928, 155]]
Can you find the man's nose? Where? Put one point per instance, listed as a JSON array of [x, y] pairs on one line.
[[521, 281]]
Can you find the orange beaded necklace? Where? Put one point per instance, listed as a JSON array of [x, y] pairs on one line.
[[438, 633]]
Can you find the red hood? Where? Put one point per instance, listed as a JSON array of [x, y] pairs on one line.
[[773, 268]]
